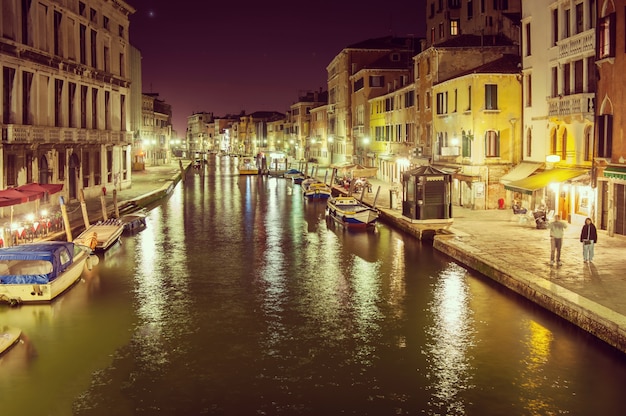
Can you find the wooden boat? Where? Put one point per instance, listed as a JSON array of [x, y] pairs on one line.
[[315, 190], [9, 336], [133, 222], [101, 235], [351, 213], [39, 272], [289, 174], [248, 167]]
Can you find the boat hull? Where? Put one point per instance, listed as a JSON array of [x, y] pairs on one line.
[[351, 213], [107, 233], [9, 336], [15, 294]]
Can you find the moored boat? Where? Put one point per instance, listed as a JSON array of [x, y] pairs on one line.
[[101, 235], [9, 336], [351, 213], [315, 190], [39, 272], [133, 222], [248, 167]]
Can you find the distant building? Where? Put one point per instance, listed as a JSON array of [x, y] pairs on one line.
[[197, 137], [156, 130], [65, 95]]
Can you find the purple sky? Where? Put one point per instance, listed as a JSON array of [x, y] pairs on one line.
[[204, 55]]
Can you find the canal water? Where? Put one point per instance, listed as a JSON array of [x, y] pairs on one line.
[[239, 298]]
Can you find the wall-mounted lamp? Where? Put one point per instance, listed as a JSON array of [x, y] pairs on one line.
[[553, 158]]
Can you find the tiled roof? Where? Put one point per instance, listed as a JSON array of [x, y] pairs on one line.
[[388, 42], [464, 41]]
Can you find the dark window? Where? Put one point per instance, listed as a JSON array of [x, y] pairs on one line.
[[606, 37], [8, 79], [57, 33], [83, 44], [358, 84], [27, 83], [491, 97], [605, 135], [86, 169], [83, 106]]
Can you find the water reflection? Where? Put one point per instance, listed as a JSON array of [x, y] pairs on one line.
[[450, 339]]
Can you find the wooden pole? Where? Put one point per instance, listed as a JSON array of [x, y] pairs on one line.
[[376, 197], [182, 170], [66, 220], [83, 208], [115, 206], [103, 205]]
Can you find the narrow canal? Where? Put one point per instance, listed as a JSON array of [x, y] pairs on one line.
[[240, 299]]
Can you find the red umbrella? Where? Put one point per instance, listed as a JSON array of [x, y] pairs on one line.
[[31, 192], [13, 196], [43, 188]]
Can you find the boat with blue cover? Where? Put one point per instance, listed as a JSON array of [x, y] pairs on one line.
[[39, 272]]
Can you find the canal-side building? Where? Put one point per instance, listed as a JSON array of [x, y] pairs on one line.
[[65, 95], [559, 81], [343, 66], [610, 148], [197, 137], [392, 128], [385, 75], [476, 123], [462, 36], [307, 146]]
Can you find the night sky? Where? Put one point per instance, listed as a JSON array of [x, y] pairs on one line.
[[231, 56]]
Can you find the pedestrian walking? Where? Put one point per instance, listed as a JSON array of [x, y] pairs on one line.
[[557, 228], [589, 237]]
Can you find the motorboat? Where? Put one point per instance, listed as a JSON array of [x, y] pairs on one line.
[[9, 336], [248, 167], [39, 272], [133, 222], [290, 173], [315, 190], [101, 235], [351, 213]]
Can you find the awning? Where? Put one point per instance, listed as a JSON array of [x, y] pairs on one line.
[[521, 171], [615, 172], [541, 180]]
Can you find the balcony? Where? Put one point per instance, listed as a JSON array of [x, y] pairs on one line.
[[583, 43], [572, 105], [24, 134]]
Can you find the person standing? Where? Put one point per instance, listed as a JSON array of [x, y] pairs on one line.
[[589, 237], [557, 229]]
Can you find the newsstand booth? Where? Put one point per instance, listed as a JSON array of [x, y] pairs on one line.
[[427, 194]]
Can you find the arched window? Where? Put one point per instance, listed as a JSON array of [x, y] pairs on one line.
[[564, 145]]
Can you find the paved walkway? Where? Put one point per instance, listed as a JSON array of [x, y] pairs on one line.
[[592, 295]]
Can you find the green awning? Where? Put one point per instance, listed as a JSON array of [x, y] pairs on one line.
[[616, 172], [541, 180]]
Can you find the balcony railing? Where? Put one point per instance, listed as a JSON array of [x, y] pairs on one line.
[[569, 105], [578, 44], [22, 134]]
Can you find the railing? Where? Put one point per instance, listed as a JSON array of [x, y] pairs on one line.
[[577, 44], [576, 104], [22, 134]]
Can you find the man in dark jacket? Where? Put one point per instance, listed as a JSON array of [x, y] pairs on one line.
[[589, 237]]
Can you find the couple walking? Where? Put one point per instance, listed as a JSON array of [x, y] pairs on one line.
[[588, 236]]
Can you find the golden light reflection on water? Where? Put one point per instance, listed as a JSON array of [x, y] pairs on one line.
[[535, 395], [450, 341], [160, 284]]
